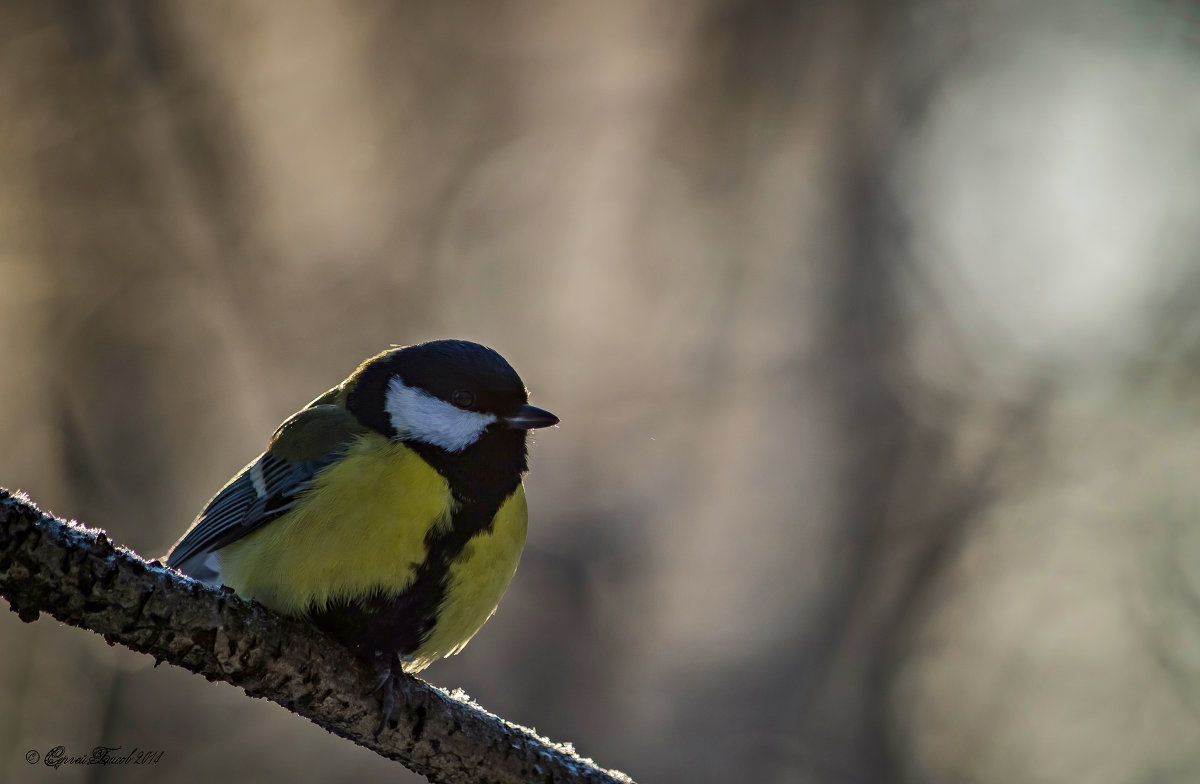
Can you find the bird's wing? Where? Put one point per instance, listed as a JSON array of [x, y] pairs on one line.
[[266, 488]]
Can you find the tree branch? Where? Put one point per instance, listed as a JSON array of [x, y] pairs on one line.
[[77, 575]]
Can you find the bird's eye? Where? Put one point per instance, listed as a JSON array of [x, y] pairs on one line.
[[463, 399]]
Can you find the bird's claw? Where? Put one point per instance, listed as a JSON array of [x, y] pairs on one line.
[[386, 666]]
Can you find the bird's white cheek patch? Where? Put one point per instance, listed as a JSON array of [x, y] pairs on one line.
[[420, 416]]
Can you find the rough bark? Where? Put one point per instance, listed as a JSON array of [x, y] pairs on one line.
[[81, 578]]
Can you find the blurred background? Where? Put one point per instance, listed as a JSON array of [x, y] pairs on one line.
[[874, 328]]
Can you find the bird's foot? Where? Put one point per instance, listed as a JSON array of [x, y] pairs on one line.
[[387, 669]]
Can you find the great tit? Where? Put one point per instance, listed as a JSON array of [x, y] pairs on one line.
[[389, 511]]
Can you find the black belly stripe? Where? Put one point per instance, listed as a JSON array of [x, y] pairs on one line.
[[481, 478], [401, 623]]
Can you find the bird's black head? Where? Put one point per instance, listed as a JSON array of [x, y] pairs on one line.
[[466, 375], [445, 393]]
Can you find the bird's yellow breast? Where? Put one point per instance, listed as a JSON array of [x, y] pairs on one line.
[[477, 580], [360, 531]]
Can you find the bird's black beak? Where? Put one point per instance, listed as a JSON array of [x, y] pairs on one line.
[[528, 417]]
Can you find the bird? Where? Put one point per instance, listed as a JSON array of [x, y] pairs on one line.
[[390, 511]]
